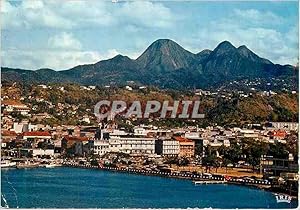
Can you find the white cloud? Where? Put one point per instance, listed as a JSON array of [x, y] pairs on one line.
[[81, 14], [63, 51], [258, 17], [64, 41], [277, 46], [32, 14], [147, 14], [57, 60]]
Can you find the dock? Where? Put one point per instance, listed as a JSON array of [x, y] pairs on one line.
[[210, 182]]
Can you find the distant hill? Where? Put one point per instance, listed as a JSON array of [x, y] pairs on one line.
[[164, 64]]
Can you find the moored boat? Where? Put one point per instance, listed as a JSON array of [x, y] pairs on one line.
[[7, 164], [27, 165], [52, 165]]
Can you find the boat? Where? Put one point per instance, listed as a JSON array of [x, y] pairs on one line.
[[27, 165], [210, 182], [7, 164], [51, 165]]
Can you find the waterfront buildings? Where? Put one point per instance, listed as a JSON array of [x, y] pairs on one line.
[[132, 145], [186, 146], [99, 147], [276, 166], [36, 152], [167, 146], [74, 145]]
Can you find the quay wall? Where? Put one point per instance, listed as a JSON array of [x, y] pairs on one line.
[[231, 180]]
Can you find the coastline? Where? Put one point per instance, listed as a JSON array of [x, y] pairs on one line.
[[233, 181], [175, 175]]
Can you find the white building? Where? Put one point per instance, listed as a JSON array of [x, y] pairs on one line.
[[139, 131], [86, 119], [23, 127], [11, 105], [37, 152], [36, 135], [117, 133], [100, 147], [192, 135], [249, 133], [167, 147], [290, 126], [132, 145], [128, 88]]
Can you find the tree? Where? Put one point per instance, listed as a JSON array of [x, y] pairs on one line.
[[208, 161], [233, 154], [183, 161], [225, 163], [292, 144], [217, 163], [278, 150], [94, 162]]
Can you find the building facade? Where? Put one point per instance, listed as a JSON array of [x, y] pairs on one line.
[[291, 126], [186, 147], [75, 145], [167, 147], [99, 147], [132, 145]]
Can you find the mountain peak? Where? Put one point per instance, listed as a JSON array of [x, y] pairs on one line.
[[165, 54], [204, 52], [243, 47], [225, 45], [163, 43], [119, 56], [246, 52]]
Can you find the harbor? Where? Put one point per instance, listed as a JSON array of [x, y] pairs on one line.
[[29, 163], [108, 188]]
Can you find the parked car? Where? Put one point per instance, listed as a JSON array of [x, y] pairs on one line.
[[208, 175]]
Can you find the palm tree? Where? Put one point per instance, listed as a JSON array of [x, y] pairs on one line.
[[225, 163]]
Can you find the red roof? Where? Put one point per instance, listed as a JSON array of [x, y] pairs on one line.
[[181, 139], [76, 138], [12, 102], [36, 133], [8, 133], [278, 133]]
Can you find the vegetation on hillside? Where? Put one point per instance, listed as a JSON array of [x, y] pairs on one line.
[[231, 109]]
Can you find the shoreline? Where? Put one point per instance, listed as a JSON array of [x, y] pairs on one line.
[[233, 181]]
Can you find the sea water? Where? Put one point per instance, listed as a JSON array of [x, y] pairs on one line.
[[63, 187]]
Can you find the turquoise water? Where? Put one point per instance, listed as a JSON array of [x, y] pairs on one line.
[[90, 188]]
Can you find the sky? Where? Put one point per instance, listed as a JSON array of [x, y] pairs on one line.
[[62, 34]]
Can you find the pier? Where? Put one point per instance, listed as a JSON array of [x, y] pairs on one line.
[[210, 182]]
